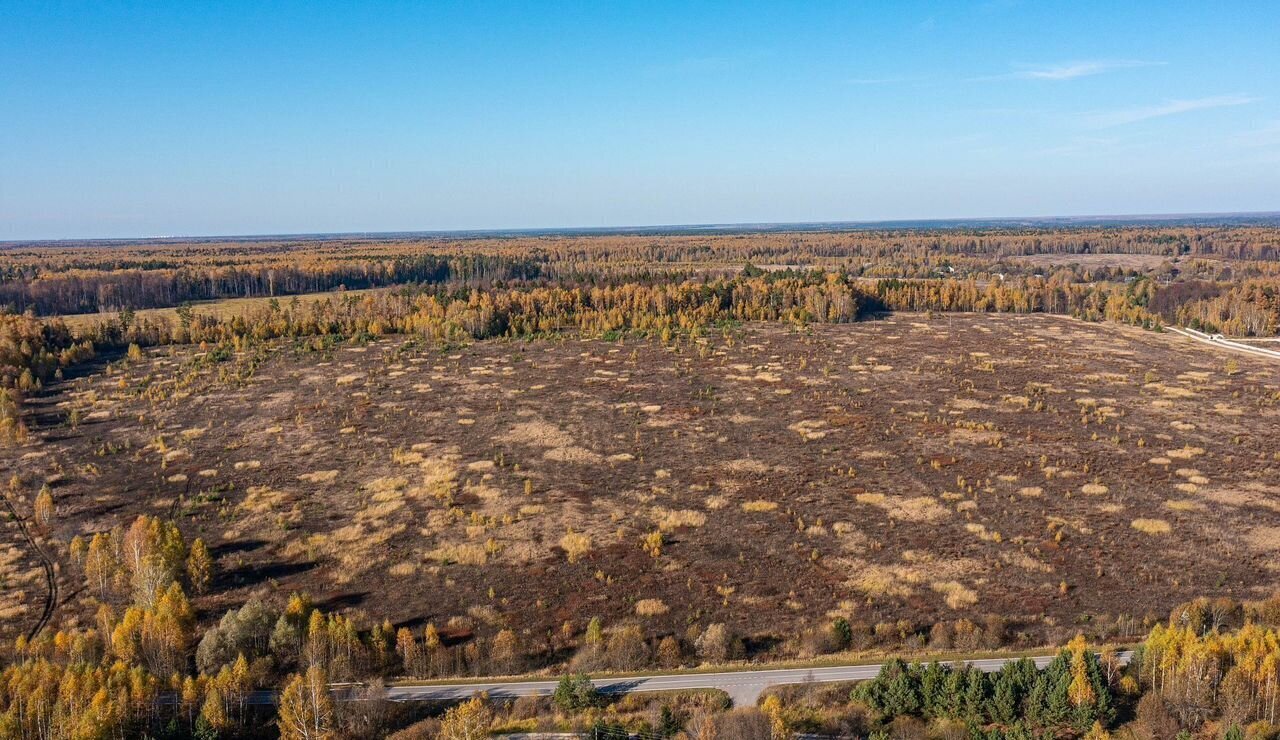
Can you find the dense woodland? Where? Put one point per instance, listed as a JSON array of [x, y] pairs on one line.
[[67, 279]]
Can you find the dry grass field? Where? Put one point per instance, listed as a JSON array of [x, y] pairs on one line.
[[1138, 262], [1048, 470], [221, 309]]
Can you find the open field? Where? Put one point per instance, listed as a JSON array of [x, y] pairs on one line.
[[1055, 472], [1138, 262], [223, 308]]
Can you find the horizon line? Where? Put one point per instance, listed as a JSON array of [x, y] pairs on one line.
[[745, 226]]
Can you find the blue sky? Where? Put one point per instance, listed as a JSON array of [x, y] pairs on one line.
[[122, 119]]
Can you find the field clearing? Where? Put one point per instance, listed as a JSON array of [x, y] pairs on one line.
[[1055, 472], [221, 309], [1122, 261]]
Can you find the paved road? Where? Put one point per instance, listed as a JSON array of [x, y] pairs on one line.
[[1218, 340], [744, 687]]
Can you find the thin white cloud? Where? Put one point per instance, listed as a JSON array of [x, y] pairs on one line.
[[1107, 119], [1080, 69], [1069, 70]]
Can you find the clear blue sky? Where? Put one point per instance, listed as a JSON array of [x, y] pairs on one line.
[[177, 118]]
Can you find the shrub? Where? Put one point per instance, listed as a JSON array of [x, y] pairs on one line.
[[841, 633], [575, 545], [652, 543], [575, 693], [670, 655], [718, 644], [651, 607], [627, 649], [244, 631]]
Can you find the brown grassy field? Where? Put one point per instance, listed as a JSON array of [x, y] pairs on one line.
[[221, 309], [1138, 262], [1051, 471]]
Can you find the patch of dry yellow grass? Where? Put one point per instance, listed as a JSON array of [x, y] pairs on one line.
[[319, 476], [651, 607], [538, 433], [982, 532], [1026, 562], [1151, 526], [262, 499], [911, 509], [759, 505], [386, 489], [809, 429], [976, 436], [572, 454], [439, 477], [746, 465], [575, 545], [885, 580], [379, 511], [1264, 539], [465, 553], [668, 519], [406, 457], [956, 594]]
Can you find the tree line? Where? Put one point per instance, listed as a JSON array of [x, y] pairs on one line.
[[1071, 695], [89, 278], [1211, 670], [49, 292]]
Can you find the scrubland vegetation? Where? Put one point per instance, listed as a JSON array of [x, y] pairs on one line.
[[575, 455], [1209, 671]]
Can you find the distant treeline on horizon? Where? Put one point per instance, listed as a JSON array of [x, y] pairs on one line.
[[1261, 218]]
